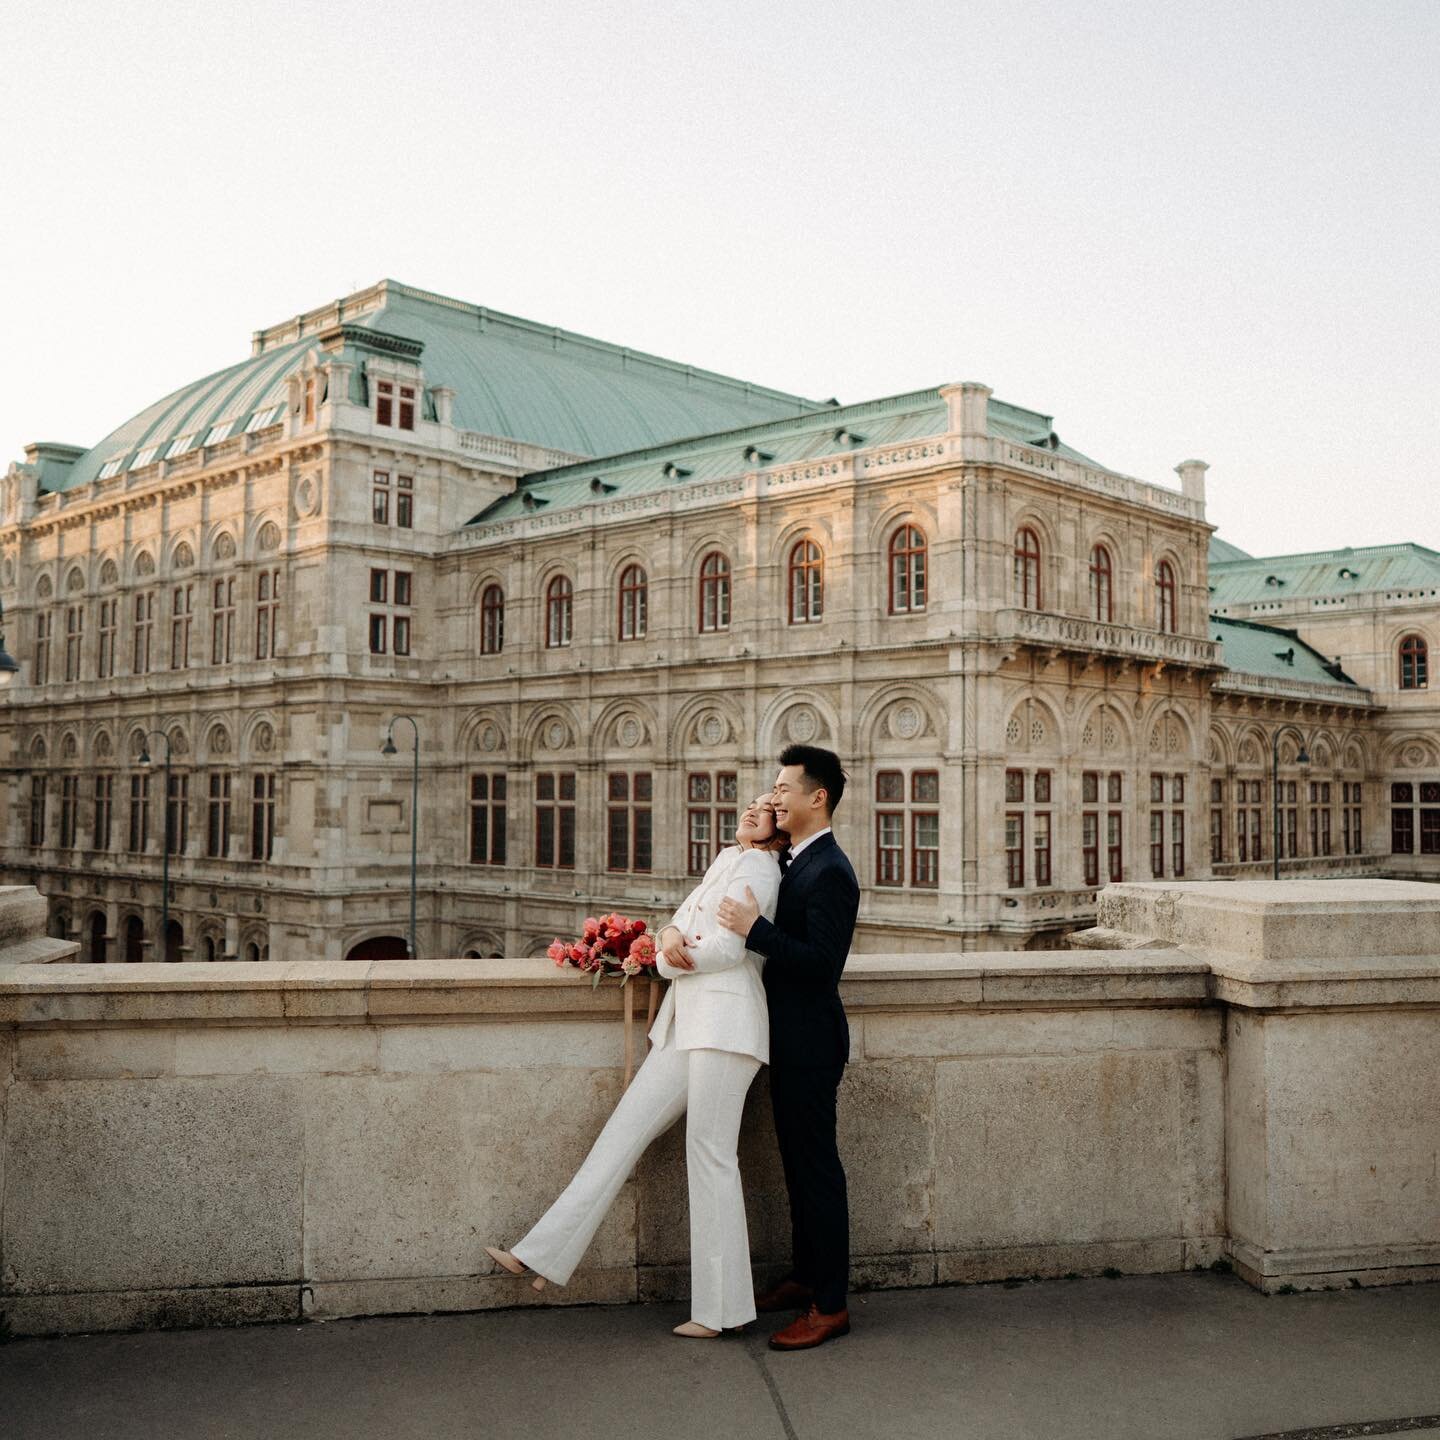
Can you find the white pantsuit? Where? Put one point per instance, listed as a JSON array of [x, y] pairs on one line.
[[710, 1037]]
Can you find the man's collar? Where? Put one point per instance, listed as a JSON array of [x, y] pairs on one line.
[[795, 850]]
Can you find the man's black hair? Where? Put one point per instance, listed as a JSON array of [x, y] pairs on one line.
[[821, 767]]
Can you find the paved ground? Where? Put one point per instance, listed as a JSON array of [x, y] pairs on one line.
[[1156, 1358]]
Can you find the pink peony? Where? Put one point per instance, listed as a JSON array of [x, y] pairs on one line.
[[591, 928], [630, 966], [642, 950], [558, 951]]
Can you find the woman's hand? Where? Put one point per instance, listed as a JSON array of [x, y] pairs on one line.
[[672, 947]]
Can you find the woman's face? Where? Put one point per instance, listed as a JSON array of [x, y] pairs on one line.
[[757, 824]]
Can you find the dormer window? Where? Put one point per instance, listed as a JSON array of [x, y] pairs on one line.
[[676, 472], [263, 418], [145, 457], [391, 409], [847, 436], [220, 432], [180, 446], [754, 455], [109, 468]]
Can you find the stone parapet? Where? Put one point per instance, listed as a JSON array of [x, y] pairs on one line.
[[224, 1143]]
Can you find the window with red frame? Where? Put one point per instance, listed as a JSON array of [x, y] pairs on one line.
[[1165, 597], [712, 799], [629, 832], [634, 602], [492, 620], [555, 820], [1027, 569], [907, 570], [714, 593], [1414, 663], [487, 819], [386, 410], [1102, 590], [559, 612], [807, 583]]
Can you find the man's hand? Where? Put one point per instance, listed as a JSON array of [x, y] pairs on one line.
[[672, 947], [740, 915]]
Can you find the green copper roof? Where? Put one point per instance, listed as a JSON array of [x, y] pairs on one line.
[[1223, 550], [1254, 649], [1324, 573], [511, 377], [893, 420]]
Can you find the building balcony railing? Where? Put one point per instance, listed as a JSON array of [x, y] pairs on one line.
[[1044, 630], [1241, 682]]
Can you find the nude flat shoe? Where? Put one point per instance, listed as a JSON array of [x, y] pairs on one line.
[[506, 1261], [693, 1330]]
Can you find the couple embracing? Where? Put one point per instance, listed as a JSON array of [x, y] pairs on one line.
[[754, 956]]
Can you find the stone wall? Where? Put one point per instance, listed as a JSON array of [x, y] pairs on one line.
[[219, 1143]]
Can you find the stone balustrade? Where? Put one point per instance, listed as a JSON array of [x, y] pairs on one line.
[[1250, 1071]]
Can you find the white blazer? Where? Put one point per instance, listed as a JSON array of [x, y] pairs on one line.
[[720, 1005]]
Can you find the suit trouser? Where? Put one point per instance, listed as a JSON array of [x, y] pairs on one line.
[[708, 1087], [803, 1100]]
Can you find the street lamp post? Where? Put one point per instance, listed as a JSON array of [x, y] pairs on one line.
[[165, 848], [388, 748], [1303, 758]]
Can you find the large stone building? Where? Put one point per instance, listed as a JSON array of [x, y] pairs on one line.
[[1043, 674]]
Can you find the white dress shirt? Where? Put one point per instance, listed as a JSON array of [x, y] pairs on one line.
[[808, 840]]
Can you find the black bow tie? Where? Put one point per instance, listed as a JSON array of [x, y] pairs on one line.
[[785, 858]]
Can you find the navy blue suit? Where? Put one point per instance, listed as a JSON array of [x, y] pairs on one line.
[[805, 950]]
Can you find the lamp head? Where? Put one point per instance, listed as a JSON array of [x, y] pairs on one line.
[[388, 748], [1303, 758], [145, 754], [9, 666]]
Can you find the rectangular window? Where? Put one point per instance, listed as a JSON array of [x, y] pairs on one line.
[[1430, 832], [262, 817], [1350, 818], [385, 402], [1177, 843], [377, 634], [407, 407], [104, 795], [42, 647], [628, 822], [380, 497], [222, 621], [217, 830], [1042, 787], [267, 610], [487, 819], [890, 847], [1114, 845], [1402, 832], [1217, 821], [402, 587], [925, 850], [713, 807], [555, 820], [1157, 844], [181, 612], [144, 615], [1289, 819], [1014, 851], [405, 502], [1014, 787], [1114, 787], [105, 659], [1090, 788], [379, 587], [74, 635], [37, 811], [139, 836], [401, 634], [177, 814], [1090, 846], [1257, 834], [69, 811], [1040, 838]]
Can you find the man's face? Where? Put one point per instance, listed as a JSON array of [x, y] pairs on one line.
[[796, 809]]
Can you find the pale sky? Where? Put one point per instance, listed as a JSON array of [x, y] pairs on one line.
[[1202, 230]]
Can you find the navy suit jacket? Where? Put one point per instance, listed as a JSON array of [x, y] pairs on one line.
[[805, 950]]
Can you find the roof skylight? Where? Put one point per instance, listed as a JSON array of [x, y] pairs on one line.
[[180, 446], [261, 418], [145, 457], [110, 467], [220, 432]]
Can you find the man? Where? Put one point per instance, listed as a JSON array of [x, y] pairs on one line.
[[805, 950]]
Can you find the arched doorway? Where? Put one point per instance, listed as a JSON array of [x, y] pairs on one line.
[[96, 954], [174, 940], [379, 947], [134, 940], [60, 925]]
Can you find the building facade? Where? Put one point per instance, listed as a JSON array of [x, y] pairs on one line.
[[605, 589]]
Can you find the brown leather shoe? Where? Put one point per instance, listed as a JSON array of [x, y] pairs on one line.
[[810, 1330], [787, 1295]]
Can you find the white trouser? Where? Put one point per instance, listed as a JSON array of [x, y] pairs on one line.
[[708, 1086]]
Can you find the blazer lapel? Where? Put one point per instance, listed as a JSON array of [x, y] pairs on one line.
[[806, 856]]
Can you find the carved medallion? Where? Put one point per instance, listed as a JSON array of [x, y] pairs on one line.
[[905, 722]]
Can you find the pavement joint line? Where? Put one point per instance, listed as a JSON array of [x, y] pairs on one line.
[[756, 1344], [1353, 1430]]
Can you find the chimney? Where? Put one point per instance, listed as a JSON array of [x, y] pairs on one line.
[[1192, 479], [967, 404]]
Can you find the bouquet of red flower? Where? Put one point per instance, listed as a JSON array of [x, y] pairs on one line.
[[611, 945]]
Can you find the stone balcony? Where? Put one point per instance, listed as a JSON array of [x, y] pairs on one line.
[[1096, 640]]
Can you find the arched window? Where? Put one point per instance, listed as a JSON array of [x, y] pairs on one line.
[[559, 612], [1165, 597], [634, 602], [1027, 569], [1414, 663], [907, 570], [714, 593], [1102, 594], [807, 583], [492, 620]]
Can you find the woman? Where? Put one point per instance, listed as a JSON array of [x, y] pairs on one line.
[[710, 1038]]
